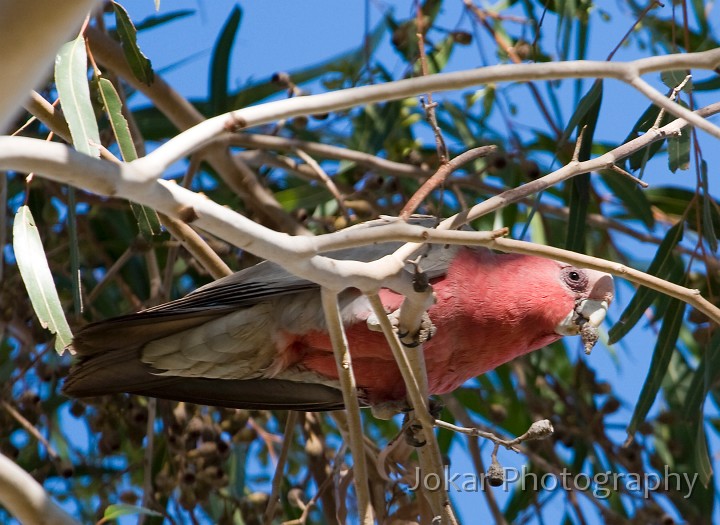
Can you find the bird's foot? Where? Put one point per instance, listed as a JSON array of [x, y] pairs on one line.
[[424, 333]]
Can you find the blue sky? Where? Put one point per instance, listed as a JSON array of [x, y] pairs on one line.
[[280, 35]]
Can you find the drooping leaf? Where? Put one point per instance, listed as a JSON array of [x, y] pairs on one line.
[[72, 86], [438, 58], [679, 151], [662, 353], [701, 457], [138, 62], [673, 79], [37, 278], [113, 512], [587, 106], [646, 121], [631, 196], [660, 266], [585, 120], [709, 232], [113, 107], [579, 201], [220, 62], [157, 20], [148, 220], [706, 375]]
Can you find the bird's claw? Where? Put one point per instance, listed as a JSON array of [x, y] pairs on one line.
[[424, 333]]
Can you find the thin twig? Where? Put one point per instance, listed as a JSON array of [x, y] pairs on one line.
[[461, 414], [278, 477], [618, 169], [148, 456], [440, 175], [429, 106], [22, 420], [328, 182], [197, 247], [673, 96]]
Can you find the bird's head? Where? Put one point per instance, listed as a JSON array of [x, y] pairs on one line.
[[593, 292]]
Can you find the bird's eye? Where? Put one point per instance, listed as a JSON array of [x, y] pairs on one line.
[[576, 279]]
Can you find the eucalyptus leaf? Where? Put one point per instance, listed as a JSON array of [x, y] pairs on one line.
[[72, 86], [138, 62], [35, 272], [118, 510], [660, 266], [148, 220], [667, 338], [220, 62]]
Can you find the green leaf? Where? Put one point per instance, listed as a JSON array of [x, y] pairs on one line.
[[679, 151], [664, 349], [660, 266], [585, 120], [113, 107], [631, 196], [220, 63], [138, 62], [646, 121], [579, 201], [113, 512], [701, 457], [588, 105], [438, 58], [35, 272], [706, 375], [708, 227], [156, 20], [72, 86], [302, 196], [673, 79], [147, 218]]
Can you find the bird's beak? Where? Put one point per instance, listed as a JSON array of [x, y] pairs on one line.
[[586, 311], [589, 313]]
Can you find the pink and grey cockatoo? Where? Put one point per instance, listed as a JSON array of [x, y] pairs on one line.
[[258, 339]]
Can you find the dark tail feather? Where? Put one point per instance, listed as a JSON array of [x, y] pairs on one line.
[[120, 371]]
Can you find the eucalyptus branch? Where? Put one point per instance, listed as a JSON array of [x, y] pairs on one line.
[[326, 180], [299, 254], [538, 430], [26, 499], [443, 172], [183, 115], [348, 386], [195, 244], [415, 379], [629, 72]]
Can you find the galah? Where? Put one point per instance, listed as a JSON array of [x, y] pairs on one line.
[[258, 338]]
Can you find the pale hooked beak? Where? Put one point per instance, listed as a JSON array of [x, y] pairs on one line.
[[588, 314], [587, 311]]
